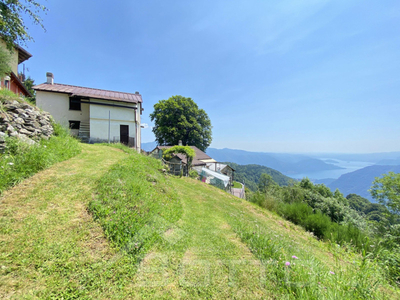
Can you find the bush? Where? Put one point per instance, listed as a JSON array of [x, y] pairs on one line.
[[318, 223], [296, 212], [193, 174], [264, 200]]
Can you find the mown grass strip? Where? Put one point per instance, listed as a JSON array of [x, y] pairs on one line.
[[50, 247], [135, 204]]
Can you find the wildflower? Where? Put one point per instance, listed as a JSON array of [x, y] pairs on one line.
[[295, 257], [10, 163], [114, 211], [333, 273], [287, 264]]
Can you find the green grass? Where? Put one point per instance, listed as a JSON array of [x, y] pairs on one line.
[[135, 204], [160, 237], [237, 185], [21, 160]]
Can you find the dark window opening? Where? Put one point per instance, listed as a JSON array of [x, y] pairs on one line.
[[74, 103], [74, 124]]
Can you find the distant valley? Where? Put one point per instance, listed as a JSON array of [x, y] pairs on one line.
[[350, 173], [288, 164]]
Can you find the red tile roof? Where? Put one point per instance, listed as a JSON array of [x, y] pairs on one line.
[[89, 92]]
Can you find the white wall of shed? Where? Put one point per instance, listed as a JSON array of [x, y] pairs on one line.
[[99, 121]]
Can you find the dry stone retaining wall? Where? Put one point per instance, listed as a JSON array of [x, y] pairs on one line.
[[27, 122]]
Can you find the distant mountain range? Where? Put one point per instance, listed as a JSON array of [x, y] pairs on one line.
[[377, 158], [360, 181], [356, 182], [288, 164], [148, 146]]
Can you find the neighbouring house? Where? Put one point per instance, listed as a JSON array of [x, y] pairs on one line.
[[12, 81], [206, 166], [93, 115], [222, 168]]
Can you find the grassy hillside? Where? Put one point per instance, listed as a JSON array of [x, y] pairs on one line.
[[161, 237]]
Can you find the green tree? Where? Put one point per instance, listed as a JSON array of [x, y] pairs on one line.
[[12, 26], [265, 183], [29, 83], [4, 62], [386, 190], [179, 118]]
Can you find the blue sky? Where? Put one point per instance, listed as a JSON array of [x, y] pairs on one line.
[[273, 76]]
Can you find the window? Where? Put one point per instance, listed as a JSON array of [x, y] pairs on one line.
[[74, 124], [7, 84], [74, 103]]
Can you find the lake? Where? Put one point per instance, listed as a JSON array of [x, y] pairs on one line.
[[348, 166]]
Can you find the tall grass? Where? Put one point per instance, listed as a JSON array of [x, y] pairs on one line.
[[21, 160], [298, 274]]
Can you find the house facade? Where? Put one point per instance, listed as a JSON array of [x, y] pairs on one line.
[[12, 81], [93, 115]]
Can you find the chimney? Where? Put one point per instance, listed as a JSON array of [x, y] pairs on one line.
[[50, 78], [137, 93], [180, 143]]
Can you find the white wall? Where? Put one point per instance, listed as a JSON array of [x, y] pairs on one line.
[[57, 104], [99, 121]]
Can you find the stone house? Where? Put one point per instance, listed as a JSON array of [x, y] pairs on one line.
[[93, 115]]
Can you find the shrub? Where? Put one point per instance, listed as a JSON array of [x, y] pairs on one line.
[[193, 174], [317, 223], [296, 212]]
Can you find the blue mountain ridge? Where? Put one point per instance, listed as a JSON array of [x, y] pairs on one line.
[[360, 181], [288, 164]]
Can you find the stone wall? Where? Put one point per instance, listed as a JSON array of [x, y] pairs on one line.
[[27, 122]]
